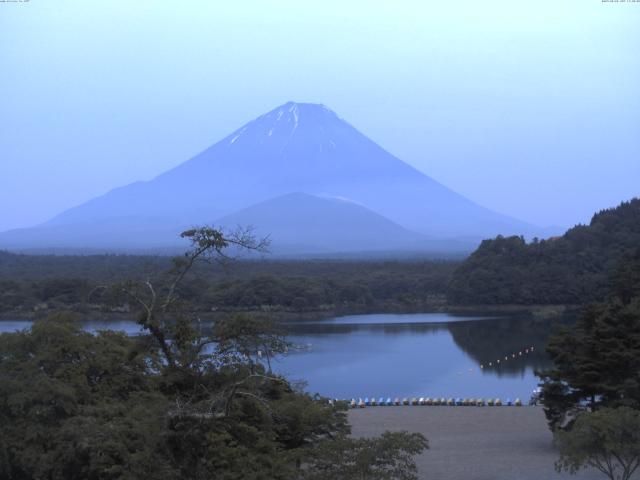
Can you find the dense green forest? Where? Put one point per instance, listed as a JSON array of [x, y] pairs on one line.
[[573, 269], [175, 403], [31, 284]]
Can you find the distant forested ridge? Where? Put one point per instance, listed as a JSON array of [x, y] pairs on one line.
[[31, 284], [573, 269]]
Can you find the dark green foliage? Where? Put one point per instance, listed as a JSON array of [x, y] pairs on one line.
[[573, 269], [597, 361], [387, 457], [78, 406], [32, 282], [607, 440], [625, 283], [177, 403]]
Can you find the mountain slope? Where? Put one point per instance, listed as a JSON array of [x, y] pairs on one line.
[[575, 268], [294, 148], [302, 223]]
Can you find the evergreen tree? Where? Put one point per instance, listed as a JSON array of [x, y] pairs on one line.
[[597, 361]]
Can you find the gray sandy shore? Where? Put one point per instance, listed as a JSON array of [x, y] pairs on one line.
[[473, 443]]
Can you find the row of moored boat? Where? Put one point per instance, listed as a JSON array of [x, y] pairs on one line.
[[477, 402]]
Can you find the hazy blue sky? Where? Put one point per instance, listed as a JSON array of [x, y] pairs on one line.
[[530, 108]]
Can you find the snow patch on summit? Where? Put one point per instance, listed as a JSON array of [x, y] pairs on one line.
[[294, 110], [342, 199]]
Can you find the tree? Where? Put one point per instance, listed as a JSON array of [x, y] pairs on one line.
[[161, 311], [177, 403], [254, 337], [596, 362], [76, 406], [387, 457], [626, 279], [608, 440]]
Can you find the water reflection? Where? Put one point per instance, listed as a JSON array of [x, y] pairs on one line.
[[497, 339], [428, 355]]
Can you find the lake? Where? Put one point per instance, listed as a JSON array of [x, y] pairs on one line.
[[393, 355]]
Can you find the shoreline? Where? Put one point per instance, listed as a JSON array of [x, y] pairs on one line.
[[535, 311]]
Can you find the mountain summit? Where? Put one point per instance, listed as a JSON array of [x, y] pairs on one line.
[[297, 147]]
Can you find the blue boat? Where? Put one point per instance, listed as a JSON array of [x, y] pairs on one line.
[[381, 402]]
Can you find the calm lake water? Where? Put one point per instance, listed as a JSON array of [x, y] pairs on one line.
[[430, 355]]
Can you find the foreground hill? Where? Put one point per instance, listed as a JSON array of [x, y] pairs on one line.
[[297, 147], [572, 269], [302, 223]]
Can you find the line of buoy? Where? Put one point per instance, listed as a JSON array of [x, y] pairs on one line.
[[509, 357], [414, 401]]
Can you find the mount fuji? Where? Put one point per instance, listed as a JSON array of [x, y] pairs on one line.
[[293, 167]]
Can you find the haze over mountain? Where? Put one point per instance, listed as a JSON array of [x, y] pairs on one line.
[[297, 147]]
